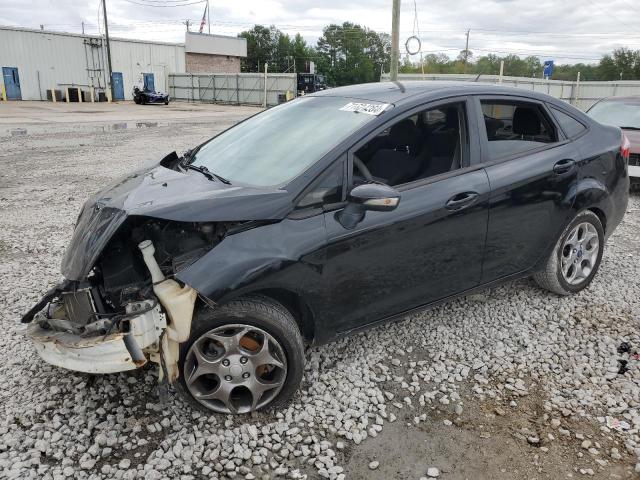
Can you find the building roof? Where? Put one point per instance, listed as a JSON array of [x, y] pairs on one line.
[[206, 43]]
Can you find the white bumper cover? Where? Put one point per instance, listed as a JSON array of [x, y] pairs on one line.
[[101, 353]]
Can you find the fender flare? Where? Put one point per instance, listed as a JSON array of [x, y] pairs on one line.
[[589, 194]]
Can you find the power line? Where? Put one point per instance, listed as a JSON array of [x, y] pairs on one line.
[[165, 6]]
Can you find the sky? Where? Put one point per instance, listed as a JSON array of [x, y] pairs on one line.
[[567, 31]]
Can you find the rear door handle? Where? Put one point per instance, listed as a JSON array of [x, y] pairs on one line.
[[563, 166], [461, 200]]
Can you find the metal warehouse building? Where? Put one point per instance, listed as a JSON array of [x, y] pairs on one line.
[[36, 61]]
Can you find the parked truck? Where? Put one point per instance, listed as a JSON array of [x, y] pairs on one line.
[[310, 82]]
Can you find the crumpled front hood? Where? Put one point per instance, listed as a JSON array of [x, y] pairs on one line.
[[167, 194]]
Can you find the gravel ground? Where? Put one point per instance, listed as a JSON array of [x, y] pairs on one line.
[[513, 382]]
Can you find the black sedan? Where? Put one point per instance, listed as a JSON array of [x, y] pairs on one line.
[[324, 216]]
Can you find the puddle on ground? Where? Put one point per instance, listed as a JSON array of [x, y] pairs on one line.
[[65, 128]]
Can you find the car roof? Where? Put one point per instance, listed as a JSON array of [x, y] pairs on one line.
[[414, 90]]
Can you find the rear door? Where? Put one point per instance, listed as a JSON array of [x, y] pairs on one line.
[[430, 247], [531, 168]]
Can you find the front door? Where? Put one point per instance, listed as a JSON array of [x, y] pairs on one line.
[[149, 85], [118, 85], [12, 83], [432, 245]]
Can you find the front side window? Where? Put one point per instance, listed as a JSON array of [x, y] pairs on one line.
[[423, 145], [515, 127], [275, 146]]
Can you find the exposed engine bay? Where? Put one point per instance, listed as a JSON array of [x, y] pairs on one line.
[[129, 309], [121, 274]]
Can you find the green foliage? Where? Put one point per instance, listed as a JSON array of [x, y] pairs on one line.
[[270, 45], [622, 64], [345, 54], [349, 53]]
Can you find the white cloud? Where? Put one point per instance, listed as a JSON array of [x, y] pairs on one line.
[[569, 31]]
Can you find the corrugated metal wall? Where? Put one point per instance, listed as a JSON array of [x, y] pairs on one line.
[[48, 60], [241, 88], [581, 95]]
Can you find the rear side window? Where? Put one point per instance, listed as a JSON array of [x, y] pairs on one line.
[[516, 127], [570, 126]]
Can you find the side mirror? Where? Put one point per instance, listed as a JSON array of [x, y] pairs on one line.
[[376, 197]]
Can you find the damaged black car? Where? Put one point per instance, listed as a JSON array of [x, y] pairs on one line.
[[324, 216]]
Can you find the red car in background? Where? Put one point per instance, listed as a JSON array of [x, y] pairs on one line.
[[623, 112]]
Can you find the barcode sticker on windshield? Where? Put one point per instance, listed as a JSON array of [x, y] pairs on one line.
[[368, 108]]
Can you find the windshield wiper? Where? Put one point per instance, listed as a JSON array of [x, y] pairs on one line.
[[205, 171], [630, 128], [200, 168]]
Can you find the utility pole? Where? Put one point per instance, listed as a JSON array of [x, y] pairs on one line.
[[395, 40], [187, 22], [466, 52], [106, 36], [208, 17]]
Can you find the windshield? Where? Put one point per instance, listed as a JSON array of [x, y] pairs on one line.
[[278, 144], [618, 114]]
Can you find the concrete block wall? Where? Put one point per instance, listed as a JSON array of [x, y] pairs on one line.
[[204, 63]]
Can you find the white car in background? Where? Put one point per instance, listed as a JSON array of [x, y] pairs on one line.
[[623, 112]]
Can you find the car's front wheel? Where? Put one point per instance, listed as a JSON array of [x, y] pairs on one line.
[[576, 256], [243, 356]]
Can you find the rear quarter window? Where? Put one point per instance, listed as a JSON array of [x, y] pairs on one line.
[[571, 127]]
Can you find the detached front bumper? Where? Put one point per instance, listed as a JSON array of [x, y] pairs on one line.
[[120, 351]]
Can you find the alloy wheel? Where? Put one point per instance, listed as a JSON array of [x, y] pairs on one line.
[[235, 368], [579, 253]]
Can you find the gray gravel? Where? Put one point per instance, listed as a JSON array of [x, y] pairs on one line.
[[500, 345]]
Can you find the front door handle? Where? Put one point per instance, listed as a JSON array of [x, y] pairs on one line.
[[461, 200], [563, 166]]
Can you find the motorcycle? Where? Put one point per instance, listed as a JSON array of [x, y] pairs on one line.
[[142, 97]]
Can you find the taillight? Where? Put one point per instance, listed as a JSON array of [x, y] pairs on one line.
[[625, 148]]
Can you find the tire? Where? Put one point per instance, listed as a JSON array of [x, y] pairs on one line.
[[166, 102], [266, 322], [143, 100], [585, 264]]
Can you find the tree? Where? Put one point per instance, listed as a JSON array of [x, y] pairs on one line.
[[349, 53], [260, 47], [488, 65]]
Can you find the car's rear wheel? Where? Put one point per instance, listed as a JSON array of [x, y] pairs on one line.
[[576, 256], [243, 356]]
